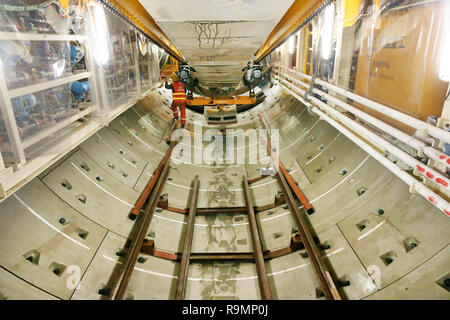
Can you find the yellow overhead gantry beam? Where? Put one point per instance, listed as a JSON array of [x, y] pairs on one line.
[[136, 13], [299, 11]]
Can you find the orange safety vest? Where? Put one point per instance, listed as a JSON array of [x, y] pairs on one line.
[[178, 92]]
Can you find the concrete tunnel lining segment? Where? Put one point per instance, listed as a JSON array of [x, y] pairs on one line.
[[360, 239]]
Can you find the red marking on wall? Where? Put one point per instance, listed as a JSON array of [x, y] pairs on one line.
[[420, 168], [448, 161], [441, 181], [442, 157], [429, 175], [446, 212], [433, 200]]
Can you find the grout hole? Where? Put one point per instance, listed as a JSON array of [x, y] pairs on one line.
[[32, 256], [410, 243], [82, 233], [66, 184], [57, 268], [325, 245], [82, 198], [362, 225], [388, 257], [444, 282], [303, 254], [361, 191], [277, 235]]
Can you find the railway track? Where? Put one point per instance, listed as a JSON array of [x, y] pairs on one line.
[[152, 198]]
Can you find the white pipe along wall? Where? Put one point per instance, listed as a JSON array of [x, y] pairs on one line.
[[415, 186]]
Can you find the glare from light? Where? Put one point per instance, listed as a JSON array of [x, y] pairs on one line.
[[101, 42], [291, 44], [58, 68], [444, 68], [327, 31]]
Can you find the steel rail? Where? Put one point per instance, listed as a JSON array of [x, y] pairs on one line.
[[298, 193], [180, 293], [148, 189], [266, 294], [120, 283], [323, 275]]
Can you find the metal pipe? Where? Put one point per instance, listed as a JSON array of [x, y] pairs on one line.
[[415, 186], [256, 241], [180, 293], [431, 130], [418, 166], [420, 146]]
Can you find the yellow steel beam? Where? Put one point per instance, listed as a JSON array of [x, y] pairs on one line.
[[170, 68], [352, 10], [299, 11], [205, 101], [133, 10]]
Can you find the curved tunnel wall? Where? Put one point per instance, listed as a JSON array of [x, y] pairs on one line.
[[379, 240]]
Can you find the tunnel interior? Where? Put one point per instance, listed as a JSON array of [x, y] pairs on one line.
[[69, 227]]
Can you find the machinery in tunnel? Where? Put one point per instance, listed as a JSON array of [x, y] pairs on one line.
[[314, 163]]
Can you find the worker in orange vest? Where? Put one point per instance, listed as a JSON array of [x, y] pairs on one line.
[[178, 97]]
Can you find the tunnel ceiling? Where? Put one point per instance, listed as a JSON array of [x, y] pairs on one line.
[[217, 37]]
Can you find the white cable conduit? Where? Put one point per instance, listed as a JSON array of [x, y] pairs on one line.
[[429, 129], [420, 146], [415, 186], [419, 167]]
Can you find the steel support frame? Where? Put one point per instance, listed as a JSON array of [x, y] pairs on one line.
[[149, 248], [204, 101], [164, 204], [9, 120]]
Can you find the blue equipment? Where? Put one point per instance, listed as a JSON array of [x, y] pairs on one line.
[[22, 106], [81, 90], [76, 54]]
